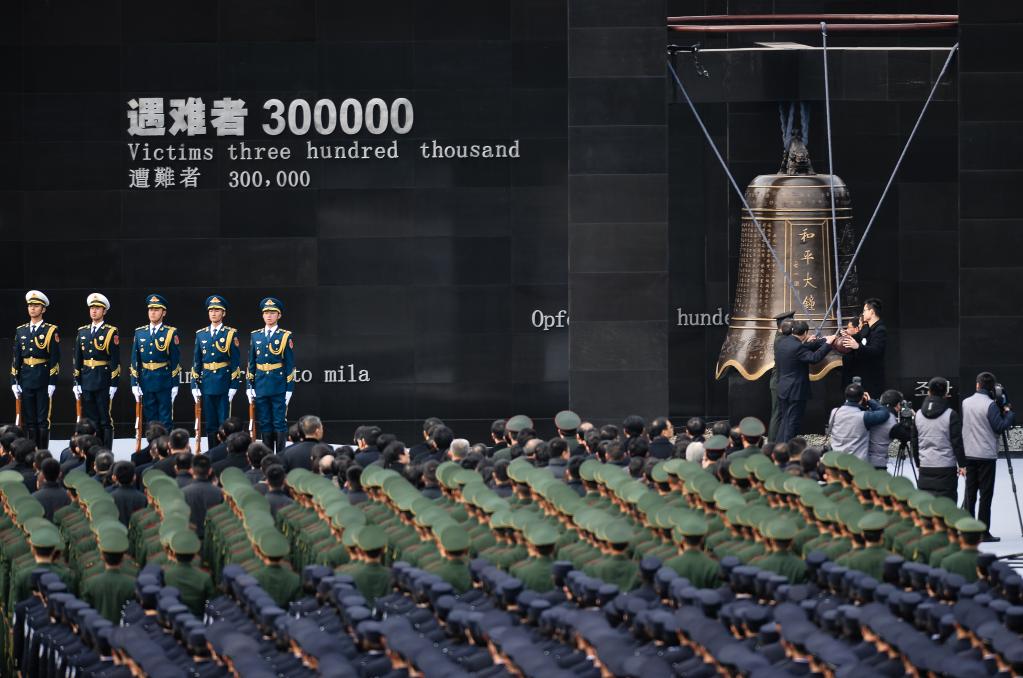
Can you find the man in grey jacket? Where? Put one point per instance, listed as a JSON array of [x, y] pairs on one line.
[[984, 420], [938, 443]]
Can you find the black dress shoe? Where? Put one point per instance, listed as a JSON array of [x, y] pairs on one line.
[[991, 538]]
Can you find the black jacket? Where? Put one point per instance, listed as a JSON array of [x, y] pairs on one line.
[[867, 362], [299, 455], [200, 496], [128, 500], [661, 448], [52, 496], [792, 359]]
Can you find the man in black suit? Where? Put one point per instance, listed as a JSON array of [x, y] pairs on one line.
[[300, 454], [661, 432], [867, 344], [227, 427], [793, 356]]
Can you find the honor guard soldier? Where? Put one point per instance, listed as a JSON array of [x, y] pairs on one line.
[[216, 367], [35, 367], [155, 364], [97, 364], [271, 374]]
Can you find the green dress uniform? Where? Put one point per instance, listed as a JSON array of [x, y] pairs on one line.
[[619, 570], [108, 592], [696, 566], [280, 582], [373, 580], [963, 562], [869, 560], [535, 573]]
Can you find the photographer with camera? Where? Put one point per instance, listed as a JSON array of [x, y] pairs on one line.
[[986, 415], [938, 443], [897, 426], [850, 425]]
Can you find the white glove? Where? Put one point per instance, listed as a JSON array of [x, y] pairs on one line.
[[196, 394], [287, 397], [137, 390], [113, 390], [17, 391], [230, 394], [50, 389], [251, 393], [77, 390], [174, 393]]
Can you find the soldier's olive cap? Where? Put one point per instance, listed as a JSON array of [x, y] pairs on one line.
[[348, 538], [739, 470], [874, 520], [542, 535], [953, 517], [27, 507], [780, 528], [567, 420], [729, 501], [518, 423], [723, 492], [588, 469], [691, 525], [943, 507], [272, 543], [830, 459], [344, 517], [659, 473], [614, 533], [170, 525], [649, 502], [70, 480], [967, 525], [751, 427], [36, 523], [764, 472], [825, 511], [849, 513], [112, 540], [370, 538], [716, 442], [901, 488], [453, 538], [44, 537], [431, 517], [921, 501], [631, 491], [184, 542], [501, 519]]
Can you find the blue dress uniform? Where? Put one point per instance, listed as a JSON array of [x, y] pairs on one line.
[[97, 364], [216, 369], [34, 369], [271, 374], [155, 365]]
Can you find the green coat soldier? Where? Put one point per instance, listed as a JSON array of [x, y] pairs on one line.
[[535, 571], [780, 559], [45, 542], [692, 563], [567, 422], [368, 546], [452, 566], [964, 562], [195, 585], [111, 589], [274, 577], [615, 567], [870, 559]]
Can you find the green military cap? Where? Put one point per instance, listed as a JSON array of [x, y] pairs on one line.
[[272, 543], [825, 511], [541, 534], [394, 485], [370, 471], [27, 507], [968, 525], [665, 516], [728, 501], [650, 502], [99, 510], [517, 469], [717, 443], [706, 487], [44, 537], [954, 516], [739, 469], [348, 538], [872, 520], [780, 528], [849, 513], [615, 532], [901, 488], [810, 498], [491, 503], [943, 506], [518, 423], [293, 479], [70, 480], [233, 473], [588, 469], [184, 542], [882, 482], [764, 471], [431, 517], [830, 459], [501, 519], [371, 538], [630, 491], [344, 517], [254, 503], [659, 474], [571, 505], [751, 427], [169, 527], [921, 502], [112, 540], [453, 538], [567, 420], [406, 499], [860, 467], [691, 525]]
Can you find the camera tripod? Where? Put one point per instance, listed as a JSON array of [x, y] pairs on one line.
[[900, 460], [1012, 480]]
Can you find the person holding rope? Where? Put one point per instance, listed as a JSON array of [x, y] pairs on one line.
[[793, 356]]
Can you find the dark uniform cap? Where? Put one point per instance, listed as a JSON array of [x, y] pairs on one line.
[[751, 427], [216, 301], [156, 301], [782, 317], [518, 423], [567, 420], [271, 304]]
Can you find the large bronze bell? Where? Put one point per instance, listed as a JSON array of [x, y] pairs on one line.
[[794, 209]]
